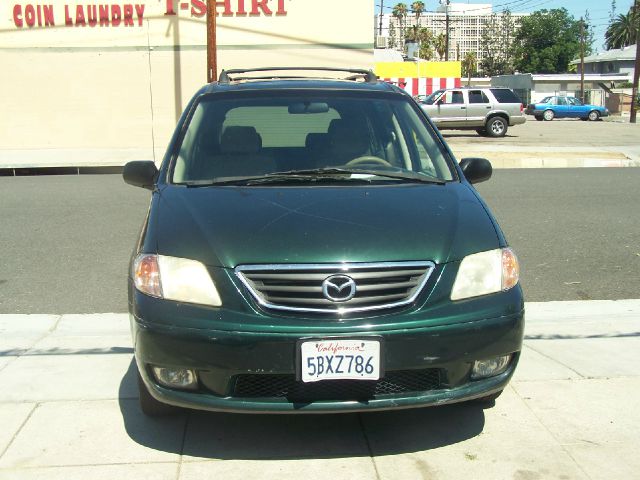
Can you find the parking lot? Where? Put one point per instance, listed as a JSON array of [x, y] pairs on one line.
[[565, 143]]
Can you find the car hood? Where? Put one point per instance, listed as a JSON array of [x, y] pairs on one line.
[[230, 226]]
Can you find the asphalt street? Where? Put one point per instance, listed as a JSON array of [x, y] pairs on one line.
[[66, 240]]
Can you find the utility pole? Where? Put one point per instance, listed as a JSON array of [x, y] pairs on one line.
[[582, 60], [636, 71], [212, 50], [446, 12], [380, 23]]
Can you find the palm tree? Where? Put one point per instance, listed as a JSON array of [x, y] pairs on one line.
[[400, 12], [622, 31], [469, 66], [440, 44], [424, 38], [412, 34], [417, 8]]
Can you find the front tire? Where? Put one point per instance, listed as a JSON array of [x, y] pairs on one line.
[[594, 116], [149, 405], [548, 115], [539, 118], [497, 127]]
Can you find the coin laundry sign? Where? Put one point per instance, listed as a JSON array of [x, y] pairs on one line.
[[130, 14]]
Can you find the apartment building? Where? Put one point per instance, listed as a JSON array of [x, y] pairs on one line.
[[467, 24]]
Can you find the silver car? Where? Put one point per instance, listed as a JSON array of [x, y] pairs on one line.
[[488, 111]]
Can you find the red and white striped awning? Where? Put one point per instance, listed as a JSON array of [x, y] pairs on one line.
[[424, 86]]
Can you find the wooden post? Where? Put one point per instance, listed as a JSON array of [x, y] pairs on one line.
[[212, 52], [582, 60], [446, 12], [636, 72]]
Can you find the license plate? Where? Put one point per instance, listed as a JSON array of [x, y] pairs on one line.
[[340, 360]]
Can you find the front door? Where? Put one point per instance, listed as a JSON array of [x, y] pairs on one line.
[[451, 109]]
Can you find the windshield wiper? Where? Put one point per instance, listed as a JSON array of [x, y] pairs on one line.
[[315, 174], [339, 172]]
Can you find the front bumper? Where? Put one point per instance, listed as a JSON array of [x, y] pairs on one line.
[[221, 356]]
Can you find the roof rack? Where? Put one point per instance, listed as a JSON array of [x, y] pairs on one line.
[[368, 75]]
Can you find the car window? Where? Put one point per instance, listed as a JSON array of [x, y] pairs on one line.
[[255, 135], [453, 97], [505, 95], [574, 101], [561, 101], [477, 96], [431, 98], [277, 127], [546, 100]]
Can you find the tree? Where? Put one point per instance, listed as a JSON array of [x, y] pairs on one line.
[[469, 65], [589, 30], [417, 8], [424, 38], [612, 12], [496, 39], [622, 31], [546, 42], [426, 51], [440, 45], [400, 12], [392, 35]]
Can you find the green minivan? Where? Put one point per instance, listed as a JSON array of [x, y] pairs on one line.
[[312, 246]]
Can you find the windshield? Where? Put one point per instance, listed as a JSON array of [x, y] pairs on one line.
[[243, 137], [431, 98]]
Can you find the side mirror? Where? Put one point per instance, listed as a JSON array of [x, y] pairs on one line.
[[140, 173], [476, 170]]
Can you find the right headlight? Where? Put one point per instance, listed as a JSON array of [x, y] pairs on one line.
[[486, 272], [173, 278]]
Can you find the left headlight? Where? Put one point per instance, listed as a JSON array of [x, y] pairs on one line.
[[174, 278], [486, 272]]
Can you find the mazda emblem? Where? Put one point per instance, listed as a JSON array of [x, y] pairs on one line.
[[339, 288]]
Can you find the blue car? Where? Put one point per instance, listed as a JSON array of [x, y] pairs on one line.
[[565, 107]]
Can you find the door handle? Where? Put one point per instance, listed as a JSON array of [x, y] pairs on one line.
[[463, 108]]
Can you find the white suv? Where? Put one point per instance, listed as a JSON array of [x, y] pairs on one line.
[[488, 111]]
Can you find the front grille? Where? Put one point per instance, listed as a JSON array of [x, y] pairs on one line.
[[300, 287], [286, 386]]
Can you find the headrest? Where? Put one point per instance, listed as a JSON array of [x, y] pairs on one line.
[[316, 140], [240, 140], [333, 124], [349, 141]]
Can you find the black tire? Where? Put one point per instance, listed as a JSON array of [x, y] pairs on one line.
[[150, 406], [594, 116], [481, 131], [584, 119], [489, 399], [548, 115], [497, 127], [539, 118]]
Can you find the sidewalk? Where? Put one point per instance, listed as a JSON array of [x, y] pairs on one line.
[[512, 156], [69, 410]]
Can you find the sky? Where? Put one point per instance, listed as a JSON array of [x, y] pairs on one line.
[[598, 10]]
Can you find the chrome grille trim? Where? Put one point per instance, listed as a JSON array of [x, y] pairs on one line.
[[297, 287]]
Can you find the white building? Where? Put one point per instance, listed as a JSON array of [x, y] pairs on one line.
[[467, 23], [618, 61]]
